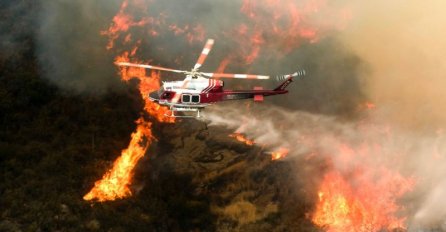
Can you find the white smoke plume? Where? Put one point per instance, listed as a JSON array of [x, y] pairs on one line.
[[403, 44], [374, 144], [390, 52]]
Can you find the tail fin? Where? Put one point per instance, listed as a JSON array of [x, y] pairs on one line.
[[288, 79]]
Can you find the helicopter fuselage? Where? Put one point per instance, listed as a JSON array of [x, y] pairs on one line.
[[201, 92], [200, 89]]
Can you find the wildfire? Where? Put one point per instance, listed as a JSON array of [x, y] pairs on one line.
[[288, 23], [115, 183], [276, 155], [122, 22], [279, 154], [242, 138], [364, 199]]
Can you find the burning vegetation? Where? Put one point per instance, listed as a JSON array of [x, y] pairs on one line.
[[115, 183], [340, 206], [333, 162]]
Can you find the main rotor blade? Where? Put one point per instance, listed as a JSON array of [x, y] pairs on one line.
[[207, 48], [149, 67], [230, 75]]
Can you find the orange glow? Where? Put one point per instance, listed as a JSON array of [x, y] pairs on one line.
[[288, 22], [242, 138], [370, 105], [249, 40], [115, 183], [365, 106], [364, 199], [280, 154], [147, 84], [192, 34], [222, 66], [122, 22]]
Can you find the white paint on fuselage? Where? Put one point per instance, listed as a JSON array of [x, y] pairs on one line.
[[193, 85]]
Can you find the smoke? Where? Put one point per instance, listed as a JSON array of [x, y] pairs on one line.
[[369, 144], [391, 53], [403, 44], [277, 127], [14, 24], [70, 50]]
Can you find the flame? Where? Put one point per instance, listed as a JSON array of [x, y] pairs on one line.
[[286, 22], [192, 34], [147, 84], [276, 155], [275, 32], [122, 22], [279, 154], [115, 183], [364, 199], [242, 138], [274, 29]]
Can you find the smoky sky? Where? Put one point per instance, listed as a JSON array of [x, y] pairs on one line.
[[391, 53], [69, 47], [403, 44], [16, 28]]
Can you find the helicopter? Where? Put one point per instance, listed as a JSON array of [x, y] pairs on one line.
[[200, 89]]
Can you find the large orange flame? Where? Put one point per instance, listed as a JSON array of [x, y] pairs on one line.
[[364, 199], [115, 183], [251, 38]]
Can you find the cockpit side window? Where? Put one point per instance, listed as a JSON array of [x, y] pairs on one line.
[[167, 95]]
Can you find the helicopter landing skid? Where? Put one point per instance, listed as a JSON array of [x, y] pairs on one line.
[[183, 109]]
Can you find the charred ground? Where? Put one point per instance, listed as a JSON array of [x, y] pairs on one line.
[[54, 144]]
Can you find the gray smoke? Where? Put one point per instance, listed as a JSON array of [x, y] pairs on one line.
[[403, 44], [375, 145], [394, 53], [69, 47], [391, 53], [16, 28]]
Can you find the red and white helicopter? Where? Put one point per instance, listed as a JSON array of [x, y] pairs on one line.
[[199, 89]]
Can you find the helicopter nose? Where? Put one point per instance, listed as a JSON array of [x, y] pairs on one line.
[[154, 96]]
